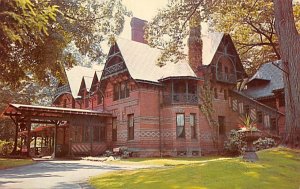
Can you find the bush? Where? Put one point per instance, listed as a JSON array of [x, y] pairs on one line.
[[5, 147], [236, 146], [264, 143]]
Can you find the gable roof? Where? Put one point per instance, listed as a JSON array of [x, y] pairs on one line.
[[75, 76], [140, 60], [267, 72], [211, 42]]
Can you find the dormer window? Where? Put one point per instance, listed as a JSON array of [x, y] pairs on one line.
[[121, 90]]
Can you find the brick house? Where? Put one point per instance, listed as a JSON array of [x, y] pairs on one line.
[[155, 111]]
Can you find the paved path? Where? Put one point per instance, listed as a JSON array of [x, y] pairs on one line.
[[55, 174]]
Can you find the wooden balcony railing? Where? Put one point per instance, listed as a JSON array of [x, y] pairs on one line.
[[181, 98], [226, 77]]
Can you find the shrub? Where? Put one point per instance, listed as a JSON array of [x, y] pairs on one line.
[[5, 147], [264, 143], [236, 146]]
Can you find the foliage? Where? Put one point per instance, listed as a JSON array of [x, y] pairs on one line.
[[5, 147], [251, 24], [264, 143], [234, 145], [247, 124], [36, 33], [9, 163], [169, 27], [208, 110], [277, 168]]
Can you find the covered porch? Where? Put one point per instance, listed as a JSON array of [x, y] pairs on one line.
[[51, 127]]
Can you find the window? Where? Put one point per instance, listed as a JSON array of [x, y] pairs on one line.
[[225, 94], [246, 109], [216, 93], [86, 102], [121, 90], [221, 121], [273, 124], [114, 129], [99, 98], [180, 126], [281, 101], [241, 108], [259, 117], [267, 121], [193, 125], [130, 118]]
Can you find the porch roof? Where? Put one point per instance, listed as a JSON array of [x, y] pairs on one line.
[[19, 109]]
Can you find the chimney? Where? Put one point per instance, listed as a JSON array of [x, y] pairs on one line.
[[195, 43], [137, 30]]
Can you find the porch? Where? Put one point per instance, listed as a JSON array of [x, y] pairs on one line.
[[54, 136]]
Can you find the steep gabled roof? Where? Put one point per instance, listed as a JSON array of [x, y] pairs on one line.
[[211, 42], [75, 75], [272, 78], [140, 60]]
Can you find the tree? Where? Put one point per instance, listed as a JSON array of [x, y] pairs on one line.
[[251, 24], [170, 27], [289, 40], [35, 34]]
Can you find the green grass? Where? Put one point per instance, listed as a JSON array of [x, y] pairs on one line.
[[164, 161], [278, 168], [9, 163]]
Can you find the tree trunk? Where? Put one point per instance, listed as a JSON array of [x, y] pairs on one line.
[[289, 44]]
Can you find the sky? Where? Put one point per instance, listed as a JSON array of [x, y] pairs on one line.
[[143, 9]]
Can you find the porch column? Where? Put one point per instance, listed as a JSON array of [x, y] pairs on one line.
[[55, 141], [16, 136], [28, 126], [35, 144], [91, 135]]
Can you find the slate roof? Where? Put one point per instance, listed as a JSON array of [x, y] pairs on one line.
[[141, 59], [271, 78]]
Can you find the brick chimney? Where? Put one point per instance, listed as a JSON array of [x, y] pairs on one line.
[[137, 29], [195, 43]]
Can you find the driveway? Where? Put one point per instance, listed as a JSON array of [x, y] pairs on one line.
[[55, 174]]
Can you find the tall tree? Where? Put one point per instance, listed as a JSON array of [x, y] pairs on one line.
[[35, 34], [289, 43]]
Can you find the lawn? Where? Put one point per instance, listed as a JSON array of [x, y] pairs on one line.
[[8, 163], [277, 168]]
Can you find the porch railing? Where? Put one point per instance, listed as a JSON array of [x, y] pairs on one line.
[[181, 98], [226, 77]]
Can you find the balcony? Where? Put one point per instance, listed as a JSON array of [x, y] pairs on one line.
[[226, 77], [181, 98], [62, 89]]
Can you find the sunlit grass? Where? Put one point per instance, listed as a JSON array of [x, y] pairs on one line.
[[165, 161], [277, 168], [8, 163]]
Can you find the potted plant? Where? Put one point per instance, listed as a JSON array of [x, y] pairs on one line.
[[250, 133]]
